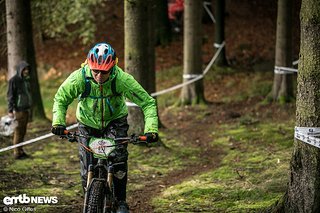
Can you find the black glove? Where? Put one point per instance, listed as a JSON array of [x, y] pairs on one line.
[[58, 130], [152, 137]]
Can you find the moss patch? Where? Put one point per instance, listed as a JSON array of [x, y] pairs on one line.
[[252, 176]]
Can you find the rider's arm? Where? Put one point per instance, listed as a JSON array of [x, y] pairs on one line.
[[135, 93], [69, 90]]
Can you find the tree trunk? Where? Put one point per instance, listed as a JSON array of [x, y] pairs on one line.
[[192, 59], [21, 47], [219, 32], [136, 53], [16, 39], [151, 82], [304, 183], [282, 90]]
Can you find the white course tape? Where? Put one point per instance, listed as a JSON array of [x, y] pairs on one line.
[[190, 76], [34, 140], [205, 5], [192, 80], [215, 45], [308, 135], [284, 70], [295, 62]]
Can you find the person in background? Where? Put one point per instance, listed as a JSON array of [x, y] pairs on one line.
[[175, 14], [101, 88], [19, 105]]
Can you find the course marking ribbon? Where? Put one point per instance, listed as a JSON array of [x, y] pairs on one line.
[[284, 70], [308, 135], [34, 140]]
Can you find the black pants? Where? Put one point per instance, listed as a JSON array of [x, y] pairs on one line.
[[116, 128]]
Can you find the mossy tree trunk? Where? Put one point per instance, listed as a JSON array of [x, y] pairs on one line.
[[21, 47], [304, 182], [136, 53], [192, 57], [282, 89], [219, 6]]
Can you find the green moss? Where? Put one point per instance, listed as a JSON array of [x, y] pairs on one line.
[[223, 173], [251, 177], [152, 160], [194, 196]]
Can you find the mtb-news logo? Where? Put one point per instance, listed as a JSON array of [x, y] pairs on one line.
[[24, 199]]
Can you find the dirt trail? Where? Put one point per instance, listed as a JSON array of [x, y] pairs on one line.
[[195, 133]]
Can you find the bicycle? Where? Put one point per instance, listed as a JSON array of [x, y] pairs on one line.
[[99, 195]]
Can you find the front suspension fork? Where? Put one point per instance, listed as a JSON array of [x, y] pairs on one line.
[[89, 179], [90, 175], [110, 177]]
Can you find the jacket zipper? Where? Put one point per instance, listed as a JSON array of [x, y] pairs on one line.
[[102, 115]]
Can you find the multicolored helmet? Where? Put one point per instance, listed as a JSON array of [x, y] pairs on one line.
[[102, 57]]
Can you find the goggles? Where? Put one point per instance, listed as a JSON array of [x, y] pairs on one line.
[[102, 72]]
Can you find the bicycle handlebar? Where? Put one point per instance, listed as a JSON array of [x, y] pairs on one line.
[[72, 137]]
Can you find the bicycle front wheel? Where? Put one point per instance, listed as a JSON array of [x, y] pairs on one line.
[[96, 198]]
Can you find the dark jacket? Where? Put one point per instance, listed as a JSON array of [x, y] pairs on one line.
[[19, 94]]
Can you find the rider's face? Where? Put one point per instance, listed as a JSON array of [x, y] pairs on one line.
[[100, 76]]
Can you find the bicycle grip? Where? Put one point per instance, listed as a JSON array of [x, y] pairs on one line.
[[143, 138]]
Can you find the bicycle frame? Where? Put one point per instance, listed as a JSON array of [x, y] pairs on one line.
[[100, 176]]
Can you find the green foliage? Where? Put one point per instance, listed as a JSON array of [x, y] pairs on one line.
[[65, 19]]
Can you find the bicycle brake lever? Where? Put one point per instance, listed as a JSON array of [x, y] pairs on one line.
[[71, 140], [63, 136]]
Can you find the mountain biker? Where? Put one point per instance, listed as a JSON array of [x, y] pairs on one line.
[[19, 105], [101, 88]]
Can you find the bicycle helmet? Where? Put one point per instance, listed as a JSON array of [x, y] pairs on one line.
[[102, 57]]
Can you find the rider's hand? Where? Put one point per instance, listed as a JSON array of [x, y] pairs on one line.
[[58, 130], [152, 137]]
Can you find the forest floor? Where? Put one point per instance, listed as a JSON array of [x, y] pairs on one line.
[[197, 140]]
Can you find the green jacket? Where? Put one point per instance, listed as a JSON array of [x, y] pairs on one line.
[[102, 106]]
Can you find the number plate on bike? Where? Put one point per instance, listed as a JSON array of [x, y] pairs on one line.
[[101, 147]]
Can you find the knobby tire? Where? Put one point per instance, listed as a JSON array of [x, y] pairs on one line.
[[96, 198]]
